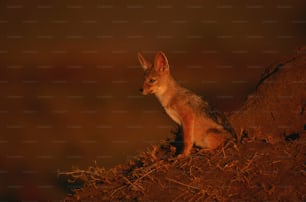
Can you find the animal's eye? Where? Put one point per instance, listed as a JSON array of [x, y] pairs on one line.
[[152, 80]]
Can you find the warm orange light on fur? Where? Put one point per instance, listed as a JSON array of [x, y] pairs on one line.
[[202, 125]]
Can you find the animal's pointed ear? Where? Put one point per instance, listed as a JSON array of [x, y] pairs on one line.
[[144, 63], [161, 62]]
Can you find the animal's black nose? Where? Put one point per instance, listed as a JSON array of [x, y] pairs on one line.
[[141, 90]]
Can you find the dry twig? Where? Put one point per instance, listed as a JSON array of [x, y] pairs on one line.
[[183, 184]]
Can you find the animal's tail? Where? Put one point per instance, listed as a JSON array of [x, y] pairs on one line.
[[220, 118], [231, 130]]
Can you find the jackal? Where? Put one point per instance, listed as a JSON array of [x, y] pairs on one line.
[[201, 123]]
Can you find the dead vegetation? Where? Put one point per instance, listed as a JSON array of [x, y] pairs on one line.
[[268, 162], [257, 171]]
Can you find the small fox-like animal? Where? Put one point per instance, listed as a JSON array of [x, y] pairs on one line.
[[202, 125]]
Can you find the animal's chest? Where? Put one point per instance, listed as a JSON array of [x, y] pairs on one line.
[[173, 115]]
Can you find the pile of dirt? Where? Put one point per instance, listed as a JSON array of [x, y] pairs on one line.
[[277, 109], [268, 162]]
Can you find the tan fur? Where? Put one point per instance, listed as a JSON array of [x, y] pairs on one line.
[[202, 125]]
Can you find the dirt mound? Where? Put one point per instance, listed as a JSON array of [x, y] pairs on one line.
[[277, 109], [267, 163]]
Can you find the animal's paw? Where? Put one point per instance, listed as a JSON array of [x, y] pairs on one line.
[[183, 155]]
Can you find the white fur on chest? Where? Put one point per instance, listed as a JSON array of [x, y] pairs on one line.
[[173, 115]]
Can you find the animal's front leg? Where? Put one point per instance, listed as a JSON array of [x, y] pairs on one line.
[[188, 135]]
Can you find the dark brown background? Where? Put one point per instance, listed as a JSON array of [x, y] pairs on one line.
[[69, 76]]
